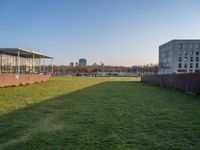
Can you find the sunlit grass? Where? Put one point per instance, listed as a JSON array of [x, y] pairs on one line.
[[98, 113]]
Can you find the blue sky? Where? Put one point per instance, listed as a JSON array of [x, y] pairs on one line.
[[116, 32]]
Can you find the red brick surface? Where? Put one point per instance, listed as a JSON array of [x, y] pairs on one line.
[[8, 79]]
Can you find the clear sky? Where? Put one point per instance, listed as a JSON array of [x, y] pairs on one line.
[[116, 32]]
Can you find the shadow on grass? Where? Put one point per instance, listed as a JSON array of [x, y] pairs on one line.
[[109, 115]]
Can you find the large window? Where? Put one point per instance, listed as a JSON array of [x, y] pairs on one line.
[[191, 59], [196, 70], [197, 59], [179, 65], [190, 70], [191, 65], [182, 70], [185, 65], [197, 65]]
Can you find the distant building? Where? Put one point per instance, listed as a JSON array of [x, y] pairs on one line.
[[76, 63], [179, 56], [102, 64], [82, 62], [72, 64], [23, 61], [95, 65], [22, 66]]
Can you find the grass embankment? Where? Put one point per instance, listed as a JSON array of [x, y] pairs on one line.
[[98, 113]]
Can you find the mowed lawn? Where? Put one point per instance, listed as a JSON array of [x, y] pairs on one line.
[[98, 113]]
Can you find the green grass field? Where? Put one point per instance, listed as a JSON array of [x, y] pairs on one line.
[[98, 113]]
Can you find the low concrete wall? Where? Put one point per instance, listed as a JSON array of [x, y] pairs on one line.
[[8, 79], [189, 82]]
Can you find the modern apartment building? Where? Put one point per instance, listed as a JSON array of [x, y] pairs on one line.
[[179, 56]]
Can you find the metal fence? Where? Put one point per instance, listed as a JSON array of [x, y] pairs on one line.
[[189, 83]]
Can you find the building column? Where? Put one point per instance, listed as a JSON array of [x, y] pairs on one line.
[[18, 62], [51, 66], [33, 63], [40, 65], [44, 64]]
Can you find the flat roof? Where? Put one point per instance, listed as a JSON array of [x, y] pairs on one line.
[[184, 40], [23, 53]]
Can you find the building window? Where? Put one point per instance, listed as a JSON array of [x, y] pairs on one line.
[[196, 46], [197, 65], [180, 59], [197, 53], [186, 53], [185, 59], [190, 70], [179, 46], [197, 59], [191, 59], [190, 46], [191, 65], [185, 65], [185, 46], [181, 70], [192, 52], [179, 65]]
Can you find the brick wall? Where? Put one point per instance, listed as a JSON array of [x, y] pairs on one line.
[[8, 79], [189, 82]]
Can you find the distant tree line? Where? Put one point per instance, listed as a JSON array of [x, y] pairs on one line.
[[103, 70]]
